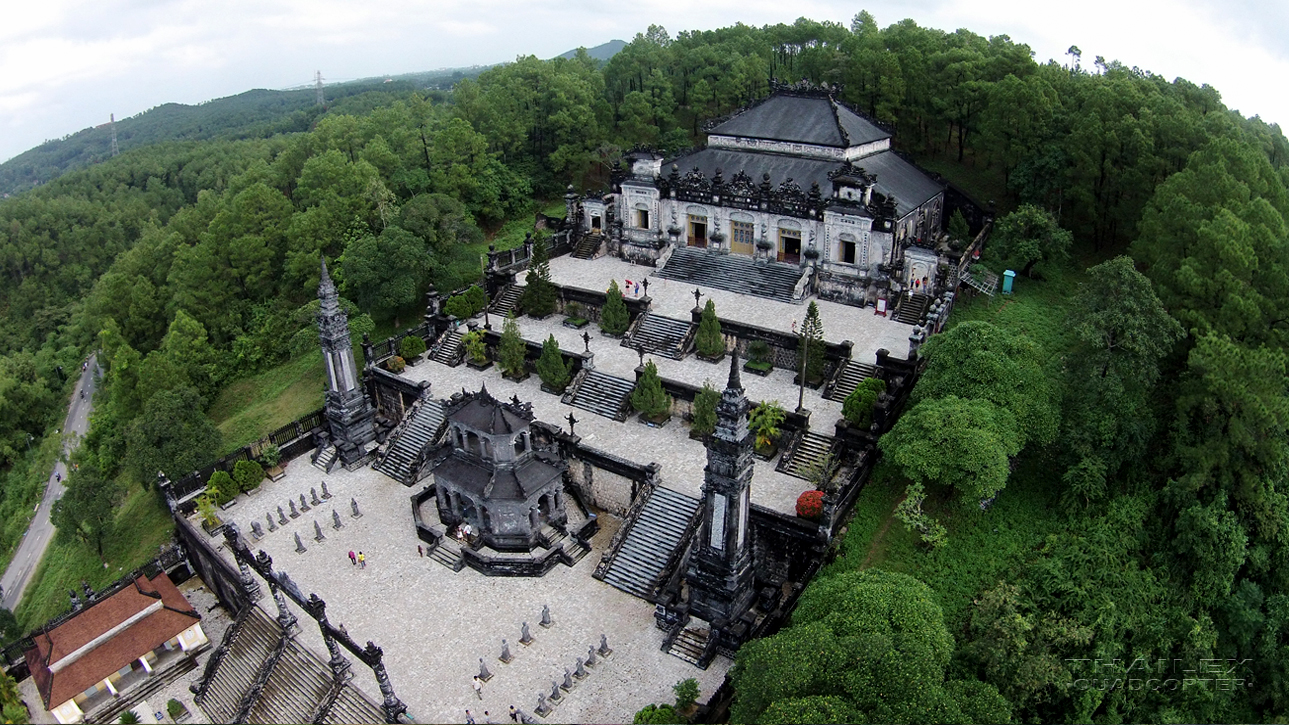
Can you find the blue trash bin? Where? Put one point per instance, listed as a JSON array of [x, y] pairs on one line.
[[1008, 276]]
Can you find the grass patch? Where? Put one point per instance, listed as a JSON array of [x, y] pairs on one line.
[[143, 527], [250, 408]]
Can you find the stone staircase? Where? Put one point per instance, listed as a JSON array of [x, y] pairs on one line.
[[732, 272], [661, 335], [250, 643], [448, 553], [913, 309], [352, 706], [507, 300], [849, 378], [297, 686], [655, 536], [808, 452], [587, 246], [450, 351], [419, 431], [603, 394], [550, 537], [691, 644], [325, 458]]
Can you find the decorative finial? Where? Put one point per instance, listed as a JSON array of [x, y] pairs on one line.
[[734, 381]]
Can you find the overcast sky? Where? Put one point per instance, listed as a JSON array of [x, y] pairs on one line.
[[65, 65]]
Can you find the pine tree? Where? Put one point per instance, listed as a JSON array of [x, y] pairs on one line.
[[539, 291], [705, 409], [614, 318], [812, 344], [649, 398], [551, 367], [710, 342], [511, 350]]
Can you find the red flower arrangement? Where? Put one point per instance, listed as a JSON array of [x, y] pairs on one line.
[[810, 504]]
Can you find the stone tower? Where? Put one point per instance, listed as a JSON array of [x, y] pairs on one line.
[[348, 411], [720, 574]]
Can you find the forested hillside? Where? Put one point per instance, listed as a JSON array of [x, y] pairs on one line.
[[1151, 399]]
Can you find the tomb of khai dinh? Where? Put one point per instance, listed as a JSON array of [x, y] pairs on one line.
[[459, 532]]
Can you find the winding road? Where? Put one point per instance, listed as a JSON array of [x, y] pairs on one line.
[[41, 530]]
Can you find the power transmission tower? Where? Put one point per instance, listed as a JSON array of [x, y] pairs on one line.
[[317, 78], [112, 123]]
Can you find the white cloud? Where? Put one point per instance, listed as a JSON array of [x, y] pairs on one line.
[[67, 64]]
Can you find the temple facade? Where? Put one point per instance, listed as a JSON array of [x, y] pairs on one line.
[[799, 178]]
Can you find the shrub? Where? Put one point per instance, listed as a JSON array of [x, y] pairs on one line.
[[128, 718], [248, 475], [206, 508], [467, 304], [396, 364], [221, 488], [614, 318], [539, 292], [411, 346], [175, 708], [551, 367], [573, 311], [810, 505], [758, 355], [705, 409], [857, 409], [271, 455], [686, 693], [765, 420], [649, 398], [511, 350], [475, 347], [658, 715], [709, 339]]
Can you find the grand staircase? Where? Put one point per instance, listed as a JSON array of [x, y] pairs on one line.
[[296, 688], [808, 452], [449, 352], [655, 536], [850, 377], [603, 394], [251, 641], [587, 246], [732, 272], [507, 301], [351, 706], [414, 435], [913, 309], [661, 336]]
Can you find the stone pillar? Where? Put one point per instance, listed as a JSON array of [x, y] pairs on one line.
[[392, 706]]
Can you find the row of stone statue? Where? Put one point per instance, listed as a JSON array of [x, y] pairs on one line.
[[545, 704], [257, 532]]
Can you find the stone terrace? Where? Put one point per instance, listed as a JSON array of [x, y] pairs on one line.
[[435, 624]]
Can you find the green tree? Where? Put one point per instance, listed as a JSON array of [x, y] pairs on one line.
[[979, 361], [964, 444], [511, 349], [812, 344], [87, 510], [475, 347], [248, 475], [1029, 236], [539, 292], [857, 408], [910, 513], [648, 397], [615, 317], [686, 692], [411, 346], [221, 488], [12, 709], [959, 230], [551, 367], [171, 435], [709, 340], [658, 715], [386, 272], [704, 422], [764, 421]]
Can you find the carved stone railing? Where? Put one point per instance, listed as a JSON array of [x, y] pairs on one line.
[[262, 678]]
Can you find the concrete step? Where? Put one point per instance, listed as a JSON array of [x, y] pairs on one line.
[[851, 376], [732, 272], [449, 353], [603, 394], [653, 538], [415, 434], [808, 452]]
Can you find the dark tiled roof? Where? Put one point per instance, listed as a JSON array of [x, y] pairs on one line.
[[141, 637], [896, 177], [797, 119], [488, 416], [486, 483]]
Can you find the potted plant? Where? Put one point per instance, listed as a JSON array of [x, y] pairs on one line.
[[396, 364], [764, 244], [710, 342], [552, 369], [176, 710], [575, 316], [248, 475], [539, 296], [857, 408], [208, 512], [410, 349], [650, 399], [764, 421], [614, 318], [810, 505], [511, 351], [704, 415], [271, 458], [758, 358], [476, 352]]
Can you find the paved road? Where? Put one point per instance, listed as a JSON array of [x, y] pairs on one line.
[[36, 540]]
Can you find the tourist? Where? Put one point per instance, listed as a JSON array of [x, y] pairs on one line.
[[469, 718], [477, 684], [488, 719], [514, 714], [353, 559], [362, 561], [419, 551]]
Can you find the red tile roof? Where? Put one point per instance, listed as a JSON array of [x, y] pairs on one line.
[[142, 636]]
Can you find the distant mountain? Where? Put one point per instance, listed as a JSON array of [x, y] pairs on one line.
[[253, 114], [601, 53]]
